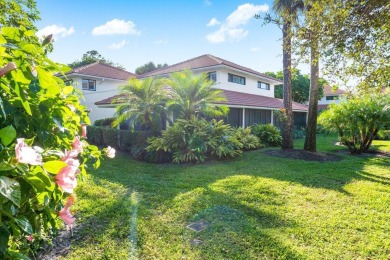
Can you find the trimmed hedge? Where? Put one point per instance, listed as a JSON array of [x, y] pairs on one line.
[[123, 140], [104, 122]]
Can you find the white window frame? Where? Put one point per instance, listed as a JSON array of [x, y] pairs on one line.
[[236, 79], [263, 85], [88, 81]]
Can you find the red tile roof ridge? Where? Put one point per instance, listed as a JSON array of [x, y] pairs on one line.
[[82, 67]]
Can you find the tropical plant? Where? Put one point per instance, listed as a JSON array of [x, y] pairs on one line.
[[196, 139], [268, 134], [358, 120], [248, 140], [42, 143], [193, 95], [142, 102]]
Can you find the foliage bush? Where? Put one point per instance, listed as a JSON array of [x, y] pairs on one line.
[[298, 134], [383, 135], [42, 144], [107, 122], [268, 134], [248, 140], [196, 139], [110, 137], [358, 119], [95, 135]]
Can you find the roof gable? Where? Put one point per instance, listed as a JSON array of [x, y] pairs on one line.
[[328, 91], [102, 70], [204, 62]]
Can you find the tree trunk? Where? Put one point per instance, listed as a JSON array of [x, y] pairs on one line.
[[287, 142], [311, 128]]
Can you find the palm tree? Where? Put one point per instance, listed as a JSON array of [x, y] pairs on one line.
[[193, 95], [287, 10], [143, 103]]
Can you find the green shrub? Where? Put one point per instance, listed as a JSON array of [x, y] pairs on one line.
[[195, 140], [95, 135], [138, 148], [268, 134], [126, 139], [298, 134], [247, 139], [383, 135], [358, 120], [107, 122], [111, 137]]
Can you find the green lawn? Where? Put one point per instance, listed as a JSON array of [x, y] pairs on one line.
[[257, 207]]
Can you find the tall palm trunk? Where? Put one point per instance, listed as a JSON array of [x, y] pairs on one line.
[[287, 142], [310, 139]]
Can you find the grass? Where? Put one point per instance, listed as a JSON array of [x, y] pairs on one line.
[[257, 207]]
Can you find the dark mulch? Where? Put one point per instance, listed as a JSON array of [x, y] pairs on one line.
[[305, 155]]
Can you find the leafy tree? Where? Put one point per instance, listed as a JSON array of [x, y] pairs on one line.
[[148, 67], [300, 86], [143, 103], [193, 95], [91, 57], [287, 11], [358, 119], [42, 143], [15, 13]]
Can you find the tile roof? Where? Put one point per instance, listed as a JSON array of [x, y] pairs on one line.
[[250, 100], [328, 91], [98, 69], [238, 99], [201, 62]]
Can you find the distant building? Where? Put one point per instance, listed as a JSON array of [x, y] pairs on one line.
[[330, 97]]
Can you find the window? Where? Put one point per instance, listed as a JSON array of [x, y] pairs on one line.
[[236, 79], [212, 76], [89, 84], [263, 85], [332, 97]]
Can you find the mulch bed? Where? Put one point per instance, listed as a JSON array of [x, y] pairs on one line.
[[305, 155]]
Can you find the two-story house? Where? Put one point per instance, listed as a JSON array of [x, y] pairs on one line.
[[249, 94], [330, 97], [98, 81]]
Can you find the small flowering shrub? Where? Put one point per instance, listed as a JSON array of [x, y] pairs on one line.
[[43, 148], [358, 119]]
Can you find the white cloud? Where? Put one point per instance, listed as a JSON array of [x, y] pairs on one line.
[[116, 26], [255, 49], [161, 42], [117, 46], [232, 29], [207, 2], [57, 31], [213, 22]]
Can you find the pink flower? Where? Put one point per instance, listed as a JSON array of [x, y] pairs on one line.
[[7, 68], [84, 130], [30, 238], [77, 144], [66, 178], [26, 154], [110, 152], [65, 212], [70, 154]]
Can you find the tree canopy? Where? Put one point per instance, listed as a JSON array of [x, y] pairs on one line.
[[148, 67], [91, 57], [300, 85]]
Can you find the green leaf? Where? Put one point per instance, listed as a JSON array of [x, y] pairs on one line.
[[19, 92], [47, 81], [4, 237], [10, 189], [54, 167], [7, 135], [5, 167], [24, 224]]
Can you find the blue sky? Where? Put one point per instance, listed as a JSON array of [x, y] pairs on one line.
[[133, 33]]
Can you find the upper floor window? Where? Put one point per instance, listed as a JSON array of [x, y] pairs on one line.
[[263, 85], [212, 76], [332, 97], [236, 79], [89, 84]]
